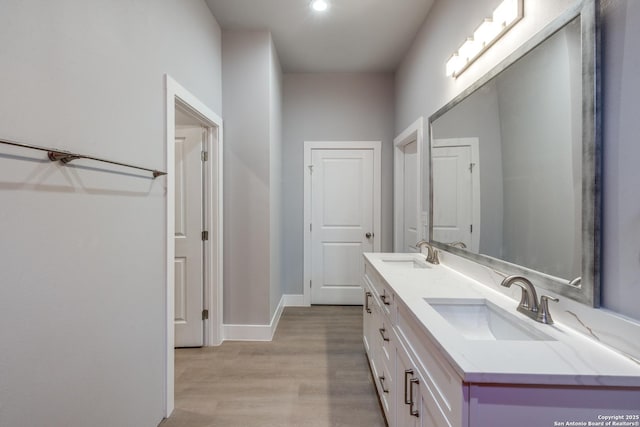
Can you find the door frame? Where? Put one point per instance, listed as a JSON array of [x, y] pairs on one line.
[[213, 208], [309, 146], [474, 144], [414, 131]]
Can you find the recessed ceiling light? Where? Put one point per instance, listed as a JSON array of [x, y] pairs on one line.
[[319, 5]]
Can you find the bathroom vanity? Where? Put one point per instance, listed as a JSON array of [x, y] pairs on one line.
[[446, 350]]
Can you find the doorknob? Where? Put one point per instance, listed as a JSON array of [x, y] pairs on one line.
[[368, 235]]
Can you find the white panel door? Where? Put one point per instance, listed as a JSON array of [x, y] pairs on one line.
[[409, 199], [189, 282], [452, 192], [342, 210]]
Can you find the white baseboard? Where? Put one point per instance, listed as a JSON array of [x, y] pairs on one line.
[[262, 332], [294, 301]]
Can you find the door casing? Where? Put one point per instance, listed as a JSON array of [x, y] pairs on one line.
[[415, 132], [176, 95], [375, 146]]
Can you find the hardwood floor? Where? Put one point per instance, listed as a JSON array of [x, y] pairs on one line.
[[314, 373]]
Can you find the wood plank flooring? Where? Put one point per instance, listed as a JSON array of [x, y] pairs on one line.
[[314, 373]]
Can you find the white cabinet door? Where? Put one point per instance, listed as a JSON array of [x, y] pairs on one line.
[[188, 238], [342, 209], [408, 399]]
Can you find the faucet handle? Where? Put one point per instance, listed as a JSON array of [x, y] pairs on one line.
[[544, 315], [434, 257]]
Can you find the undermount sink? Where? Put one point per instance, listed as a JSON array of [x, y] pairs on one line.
[[408, 262], [479, 319]]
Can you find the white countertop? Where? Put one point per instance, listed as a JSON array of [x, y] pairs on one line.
[[569, 359]]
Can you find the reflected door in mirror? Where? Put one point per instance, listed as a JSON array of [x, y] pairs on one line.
[[452, 194]]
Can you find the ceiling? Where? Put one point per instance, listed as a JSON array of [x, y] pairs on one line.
[[351, 36]]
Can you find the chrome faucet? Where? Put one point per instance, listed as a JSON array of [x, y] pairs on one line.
[[529, 300], [432, 253], [544, 315]]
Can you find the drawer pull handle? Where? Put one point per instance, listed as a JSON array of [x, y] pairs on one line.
[[382, 331], [366, 301], [384, 297], [406, 383], [381, 380], [413, 412]]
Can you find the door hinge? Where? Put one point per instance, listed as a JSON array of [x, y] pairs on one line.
[[205, 235], [205, 314], [204, 156], [310, 227], [310, 283], [310, 168], [471, 165], [470, 228]]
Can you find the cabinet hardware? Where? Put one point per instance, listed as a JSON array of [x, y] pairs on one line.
[[366, 302], [384, 297], [413, 412], [406, 383], [382, 331], [381, 380]]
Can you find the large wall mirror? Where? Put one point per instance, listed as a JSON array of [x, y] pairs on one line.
[[514, 162]]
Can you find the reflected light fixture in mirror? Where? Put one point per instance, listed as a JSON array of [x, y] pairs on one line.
[[504, 17], [319, 5]]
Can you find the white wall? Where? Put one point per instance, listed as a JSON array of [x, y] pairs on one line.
[[251, 177], [422, 88], [331, 107], [83, 268]]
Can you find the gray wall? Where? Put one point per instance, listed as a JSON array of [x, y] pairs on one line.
[[83, 250], [621, 88], [251, 177], [331, 107], [422, 88], [275, 156]]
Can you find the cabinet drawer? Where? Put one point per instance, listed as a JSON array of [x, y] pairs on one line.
[[387, 339], [387, 300], [374, 278], [386, 389], [440, 378]]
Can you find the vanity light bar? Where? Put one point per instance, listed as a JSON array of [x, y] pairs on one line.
[[505, 16]]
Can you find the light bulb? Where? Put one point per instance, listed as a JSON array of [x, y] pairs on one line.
[[506, 13], [454, 65], [319, 5], [486, 32], [469, 49]]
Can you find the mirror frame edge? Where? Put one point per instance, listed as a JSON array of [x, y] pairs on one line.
[[589, 291]]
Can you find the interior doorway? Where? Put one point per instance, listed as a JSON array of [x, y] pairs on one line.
[[342, 218], [184, 108], [191, 193]]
